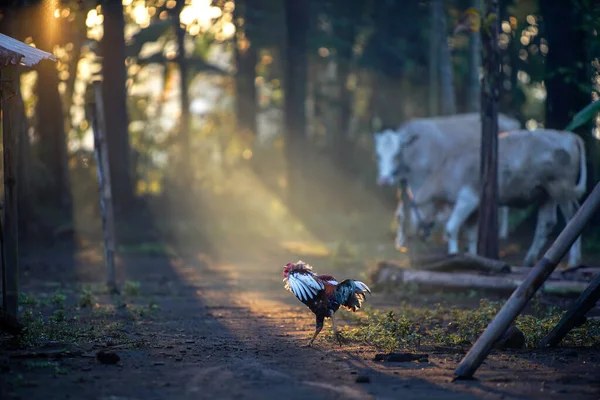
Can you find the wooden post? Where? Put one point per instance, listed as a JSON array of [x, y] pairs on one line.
[[521, 296], [11, 234], [405, 208], [96, 110], [487, 244], [575, 315]]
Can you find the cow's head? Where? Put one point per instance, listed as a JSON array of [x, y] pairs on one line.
[[388, 145]]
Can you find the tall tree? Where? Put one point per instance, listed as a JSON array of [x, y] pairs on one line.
[[114, 93], [10, 25], [434, 60], [487, 244], [446, 73], [473, 81], [345, 23], [49, 114], [394, 49], [246, 56], [568, 74], [296, 75], [566, 62], [185, 121]]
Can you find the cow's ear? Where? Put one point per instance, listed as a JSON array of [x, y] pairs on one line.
[[408, 138]]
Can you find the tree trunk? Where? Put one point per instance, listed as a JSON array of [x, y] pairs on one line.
[[473, 81], [487, 245], [567, 73], [77, 31], [50, 121], [296, 74], [446, 73], [565, 63], [114, 93], [26, 214], [345, 32], [184, 127], [13, 19], [246, 59], [385, 104], [434, 59]]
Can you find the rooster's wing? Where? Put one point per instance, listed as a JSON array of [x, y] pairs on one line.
[[305, 286]]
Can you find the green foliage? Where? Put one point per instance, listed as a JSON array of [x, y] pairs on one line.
[[584, 116], [131, 288], [58, 299], [454, 327], [86, 299], [27, 300]]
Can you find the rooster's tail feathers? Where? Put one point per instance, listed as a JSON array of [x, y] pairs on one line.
[[350, 294]]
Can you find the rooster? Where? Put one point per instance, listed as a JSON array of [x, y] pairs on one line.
[[323, 294]]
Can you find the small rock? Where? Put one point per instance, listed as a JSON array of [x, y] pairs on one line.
[[178, 359], [353, 372], [107, 357], [363, 379], [513, 338], [159, 363], [401, 357], [190, 341]]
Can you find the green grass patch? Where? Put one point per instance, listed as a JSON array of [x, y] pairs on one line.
[[412, 327], [131, 288]]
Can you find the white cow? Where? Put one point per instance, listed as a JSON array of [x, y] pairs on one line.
[[450, 133], [544, 167]]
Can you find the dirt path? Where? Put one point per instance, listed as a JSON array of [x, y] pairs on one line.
[[224, 327], [229, 330]]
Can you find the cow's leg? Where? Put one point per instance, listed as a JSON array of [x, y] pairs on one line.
[[472, 238], [399, 241], [545, 223], [568, 210], [503, 232], [466, 203]]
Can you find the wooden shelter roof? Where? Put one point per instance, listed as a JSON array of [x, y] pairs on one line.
[[13, 52]]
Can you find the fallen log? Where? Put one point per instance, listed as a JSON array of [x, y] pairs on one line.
[[457, 262], [387, 274]]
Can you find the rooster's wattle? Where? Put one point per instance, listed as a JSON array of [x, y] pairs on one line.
[[323, 294]]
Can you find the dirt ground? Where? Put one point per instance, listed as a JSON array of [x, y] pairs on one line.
[[228, 329], [218, 323]]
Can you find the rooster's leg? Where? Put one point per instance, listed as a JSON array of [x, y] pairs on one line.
[[335, 331], [318, 328]]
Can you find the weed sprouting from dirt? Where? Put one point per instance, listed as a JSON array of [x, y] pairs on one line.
[[58, 299], [87, 298], [412, 327], [131, 288], [76, 316]]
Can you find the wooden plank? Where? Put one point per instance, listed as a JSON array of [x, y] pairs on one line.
[[10, 232], [388, 274], [461, 261], [520, 297], [575, 315], [96, 110]]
